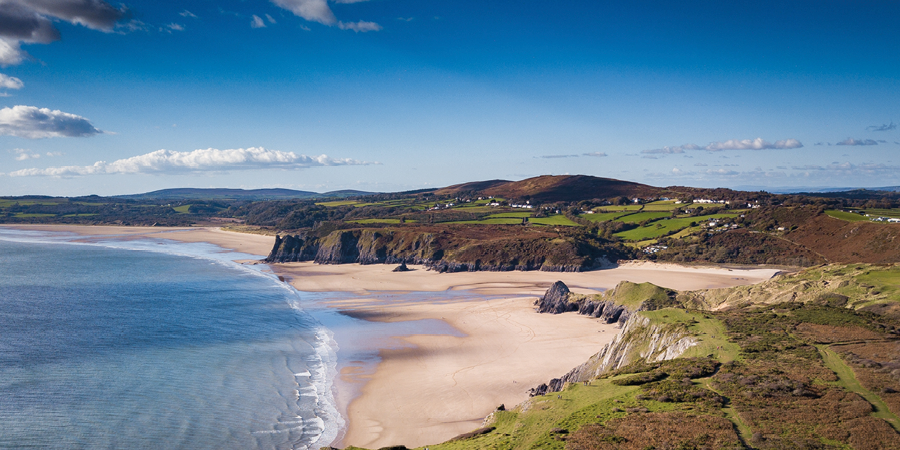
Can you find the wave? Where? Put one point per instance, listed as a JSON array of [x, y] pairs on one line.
[[314, 385]]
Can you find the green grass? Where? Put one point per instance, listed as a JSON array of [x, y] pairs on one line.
[[578, 406], [26, 216], [7, 203], [603, 217], [557, 220], [642, 216], [709, 331], [663, 227], [876, 212], [509, 215], [662, 205], [339, 203], [847, 380], [183, 209], [850, 217]]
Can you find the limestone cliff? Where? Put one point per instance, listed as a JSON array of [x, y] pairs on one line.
[[639, 340], [443, 250]]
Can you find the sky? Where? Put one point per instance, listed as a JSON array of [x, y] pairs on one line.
[[115, 98]]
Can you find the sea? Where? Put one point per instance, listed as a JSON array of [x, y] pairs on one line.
[[154, 344]]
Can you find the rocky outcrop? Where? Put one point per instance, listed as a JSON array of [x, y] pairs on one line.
[[638, 340], [614, 306], [441, 251], [556, 300]]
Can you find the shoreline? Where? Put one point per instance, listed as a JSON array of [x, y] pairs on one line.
[[430, 384]]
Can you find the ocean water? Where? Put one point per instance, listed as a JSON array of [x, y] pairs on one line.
[[149, 344]]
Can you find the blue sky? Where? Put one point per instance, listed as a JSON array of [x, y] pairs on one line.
[[386, 95]]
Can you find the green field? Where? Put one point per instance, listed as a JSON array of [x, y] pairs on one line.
[[850, 217], [25, 216], [642, 216], [509, 215], [559, 219], [603, 217], [183, 209], [875, 212], [662, 205], [665, 226], [339, 203]]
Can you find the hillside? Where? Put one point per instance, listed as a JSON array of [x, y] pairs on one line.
[[556, 188], [804, 361]]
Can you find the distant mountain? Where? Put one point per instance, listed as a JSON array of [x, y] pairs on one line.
[[238, 194], [553, 188]]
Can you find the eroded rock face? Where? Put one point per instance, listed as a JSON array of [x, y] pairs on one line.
[[639, 339], [556, 300], [440, 252]]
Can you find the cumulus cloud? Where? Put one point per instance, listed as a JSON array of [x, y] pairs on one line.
[[201, 160], [319, 11], [882, 127], [8, 82], [257, 22], [31, 21], [752, 144], [731, 144], [851, 141], [25, 154], [37, 123]]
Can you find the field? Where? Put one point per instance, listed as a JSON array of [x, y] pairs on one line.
[[603, 217], [642, 216], [665, 226], [851, 217]]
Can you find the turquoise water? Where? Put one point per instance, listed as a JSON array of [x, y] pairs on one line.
[[104, 347]]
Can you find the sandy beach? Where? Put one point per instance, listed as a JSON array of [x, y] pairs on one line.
[[437, 386]]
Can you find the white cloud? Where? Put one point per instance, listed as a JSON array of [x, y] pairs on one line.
[[187, 13], [8, 82], [25, 154], [201, 160], [664, 151], [37, 123], [31, 21], [270, 19], [754, 144], [257, 22], [359, 27], [732, 144], [319, 11], [174, 27], [851, 141], [596, 154], [312, 10]]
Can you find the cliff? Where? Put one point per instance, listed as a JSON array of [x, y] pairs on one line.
[[639, 340], [449, 249], [613, 306]]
